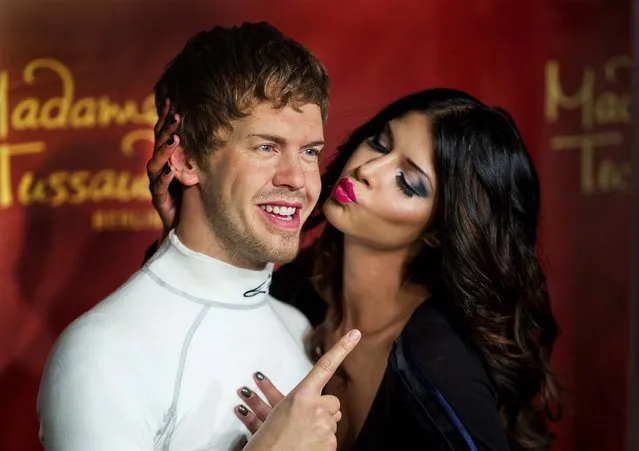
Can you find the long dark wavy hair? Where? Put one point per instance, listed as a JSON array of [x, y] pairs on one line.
[[485, 266]]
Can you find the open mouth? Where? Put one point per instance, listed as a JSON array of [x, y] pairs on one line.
[[282, 215]]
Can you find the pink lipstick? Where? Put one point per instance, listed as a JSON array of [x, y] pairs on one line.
[[344, 191]]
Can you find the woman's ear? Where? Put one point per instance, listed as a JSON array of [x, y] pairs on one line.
[[184, 169]]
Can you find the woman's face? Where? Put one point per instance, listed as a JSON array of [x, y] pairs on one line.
[[386, 194]]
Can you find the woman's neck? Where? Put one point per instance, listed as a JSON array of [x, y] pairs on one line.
[[375, 295]]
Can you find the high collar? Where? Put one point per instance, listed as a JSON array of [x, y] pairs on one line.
[[204, 279]]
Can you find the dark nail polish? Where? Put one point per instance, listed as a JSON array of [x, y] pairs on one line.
[[166, 169], [170, 141], [245, 392], [243, 410], [259, 376]]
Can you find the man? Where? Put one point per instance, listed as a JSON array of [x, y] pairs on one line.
[[156, 364]]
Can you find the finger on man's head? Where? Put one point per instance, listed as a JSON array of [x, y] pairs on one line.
[[167, 135], [326, 366], [160, 188], [164, 112], [160, 158]]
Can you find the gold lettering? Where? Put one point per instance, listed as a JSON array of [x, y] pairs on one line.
[[58, 186], [121, 192], [610, 177], [612, 108], [4, 105], [609, 107], [78, 182], [61, 112], [105, 220], [60, 105], [97, 220], [24, 188], [112, 112], [140, 188], [102, 186], [6, 152], [39, 192], [83, 113], [150, 111], [586, 144], [62, 187], [605, 108], [555, 97], [130, 139], [25, 115]]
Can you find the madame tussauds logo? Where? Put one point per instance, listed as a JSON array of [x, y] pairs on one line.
[[66, 112], [600, 99]]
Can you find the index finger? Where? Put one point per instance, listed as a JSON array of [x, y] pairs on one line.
[[326, 366]]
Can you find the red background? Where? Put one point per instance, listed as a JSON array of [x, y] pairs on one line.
[[54, 265]]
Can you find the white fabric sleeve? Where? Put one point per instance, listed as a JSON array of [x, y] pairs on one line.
[[90, 397]]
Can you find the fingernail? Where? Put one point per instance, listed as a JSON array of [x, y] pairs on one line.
[[170, 141], [245, 392], [243, 410], [354, 335], [174, 118], [259, 376], [167, 169]]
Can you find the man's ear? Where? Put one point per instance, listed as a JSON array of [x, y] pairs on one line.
[[183, 167]]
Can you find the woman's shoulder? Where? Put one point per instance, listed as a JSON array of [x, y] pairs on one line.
[[441, 358], [439, 346]]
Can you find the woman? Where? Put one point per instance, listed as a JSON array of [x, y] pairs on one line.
[[430, 214]]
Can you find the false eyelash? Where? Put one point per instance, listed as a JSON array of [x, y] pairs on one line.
[[404, 186]]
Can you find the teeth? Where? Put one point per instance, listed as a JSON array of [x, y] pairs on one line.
[[285, 212]]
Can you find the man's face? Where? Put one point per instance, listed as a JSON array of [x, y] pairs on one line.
[[263, 183]]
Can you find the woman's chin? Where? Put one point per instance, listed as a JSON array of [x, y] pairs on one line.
[[335, 216]]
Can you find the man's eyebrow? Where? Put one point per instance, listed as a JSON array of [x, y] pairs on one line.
[[269, 137], [283, 141]]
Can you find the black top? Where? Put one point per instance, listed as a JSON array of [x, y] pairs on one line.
[[435, 393]]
